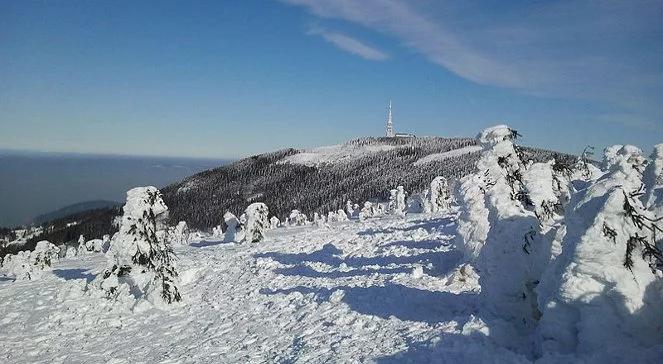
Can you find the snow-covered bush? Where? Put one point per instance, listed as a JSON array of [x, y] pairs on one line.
[[297, 218], [44, 255], [234, 231], [331, 216], [141, 260], [274, 222], [256, 222], [71, 251], [498, 231], [601, 294], [20, 266], [440, 197]]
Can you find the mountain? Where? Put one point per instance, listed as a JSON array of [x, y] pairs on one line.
[[74, 209], [323, 179], [313, 180]]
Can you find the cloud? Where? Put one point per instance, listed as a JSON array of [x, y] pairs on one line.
[[350, 45], [605, 52], [544, 48]]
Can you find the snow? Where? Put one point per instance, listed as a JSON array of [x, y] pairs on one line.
[[532, 262], [344, 293], [340, 153], [436, 157]]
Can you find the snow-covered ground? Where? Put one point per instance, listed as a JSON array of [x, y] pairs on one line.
[[382, 290]]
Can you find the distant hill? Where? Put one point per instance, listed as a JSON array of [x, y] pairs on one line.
[[74, 209], [323, 179], [314, 180]]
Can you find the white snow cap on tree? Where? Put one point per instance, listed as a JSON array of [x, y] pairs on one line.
[[256, 222], [234, 232], [141, 258], [439, 194], [44, 255], [601, 294]]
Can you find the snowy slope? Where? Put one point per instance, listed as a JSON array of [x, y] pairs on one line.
[[343, 293], [446, 155], [340, 153]]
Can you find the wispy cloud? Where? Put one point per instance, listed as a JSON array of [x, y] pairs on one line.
[[608, 52], [350, 45]]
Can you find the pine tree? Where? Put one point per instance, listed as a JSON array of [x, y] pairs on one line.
[[256, 222]]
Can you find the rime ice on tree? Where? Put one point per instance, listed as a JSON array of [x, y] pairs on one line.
[[256, 222], [140, 258]]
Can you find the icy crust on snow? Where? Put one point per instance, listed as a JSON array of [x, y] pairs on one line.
[[340, 153], [591, 303]]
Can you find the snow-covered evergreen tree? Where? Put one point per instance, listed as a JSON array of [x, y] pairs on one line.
[[653, 180], [401, 205], [140, 258], [439, 194], [496, 225], [601, 294], [341, 215], [179, 234], [256, 222], [82, 246]]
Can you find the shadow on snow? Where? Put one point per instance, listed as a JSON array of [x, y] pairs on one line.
[[70, 274]]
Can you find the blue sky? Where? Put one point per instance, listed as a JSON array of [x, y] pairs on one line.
[[234, 78]]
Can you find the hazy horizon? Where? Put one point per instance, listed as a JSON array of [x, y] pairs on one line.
[[36, 183]]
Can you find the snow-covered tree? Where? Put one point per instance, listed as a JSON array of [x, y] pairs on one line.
[[179, 234], [71, 251], [331, 216], [366, 211], [400, 203], [653, 180], [601, 294], [234, 231], [256, 222], [349, 208], [297, 218], [44, 255], [496, 225], [439, 194], [274, 222], [141, 258], [341, 215], [20, 266], [82, 246]]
